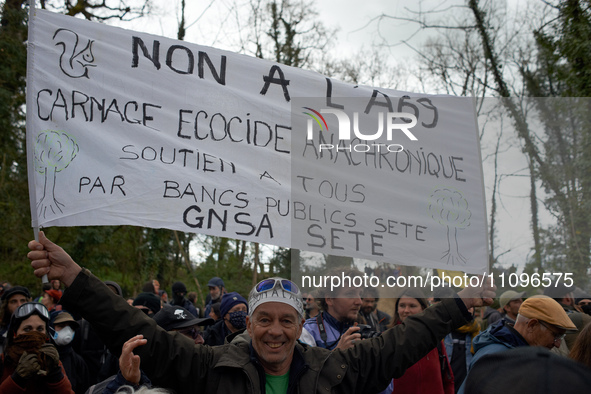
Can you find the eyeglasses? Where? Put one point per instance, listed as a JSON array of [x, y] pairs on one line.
[[191, 332], [557, 337], [269, 284], [29, 308]]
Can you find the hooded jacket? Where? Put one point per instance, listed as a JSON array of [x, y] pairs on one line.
[[496, 338], [172, 361]]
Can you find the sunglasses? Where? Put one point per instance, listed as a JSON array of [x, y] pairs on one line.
[[190, 332], [269, 284], [29, 308], [557, 337]]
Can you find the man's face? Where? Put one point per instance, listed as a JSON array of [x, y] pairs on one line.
[[156, 286], [15, 301], [512, 308], [345, 305], [368, 305], [310, 303], [32, 323], [274, 328], [544, 334], [215, 292]]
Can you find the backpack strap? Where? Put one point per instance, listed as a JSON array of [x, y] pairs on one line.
[[443, 362]]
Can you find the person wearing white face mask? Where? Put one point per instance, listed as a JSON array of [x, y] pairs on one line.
[[65, 328]]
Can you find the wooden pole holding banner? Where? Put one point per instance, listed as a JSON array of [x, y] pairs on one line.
[[36, 233], [35, 221]]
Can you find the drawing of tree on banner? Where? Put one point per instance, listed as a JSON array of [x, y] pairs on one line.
[[450, 209], [54, 151]]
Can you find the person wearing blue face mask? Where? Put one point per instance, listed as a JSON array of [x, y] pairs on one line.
[[65, 328], [233, 312]]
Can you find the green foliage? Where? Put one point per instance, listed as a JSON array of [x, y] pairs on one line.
[[281, 262], [226, 259], [14, 207]]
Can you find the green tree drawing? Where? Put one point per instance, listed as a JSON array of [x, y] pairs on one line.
[[54, 151]]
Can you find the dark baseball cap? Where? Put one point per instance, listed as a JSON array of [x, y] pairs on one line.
[[175, 317], [16, 290], [215, 282]]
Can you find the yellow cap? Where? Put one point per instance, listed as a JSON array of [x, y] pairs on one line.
[[546, 309]]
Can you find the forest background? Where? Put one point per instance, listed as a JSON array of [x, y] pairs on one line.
[[483, 49]]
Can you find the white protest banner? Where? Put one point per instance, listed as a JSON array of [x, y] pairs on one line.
[[129, 128]]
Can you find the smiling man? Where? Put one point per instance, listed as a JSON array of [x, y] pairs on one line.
[[268, 360]]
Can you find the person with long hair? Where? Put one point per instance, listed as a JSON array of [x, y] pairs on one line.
[[432, 374], [581, 350]]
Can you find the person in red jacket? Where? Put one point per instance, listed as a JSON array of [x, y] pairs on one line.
[[432, 374], [30, 364]]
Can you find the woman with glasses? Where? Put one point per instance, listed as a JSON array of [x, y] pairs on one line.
[[30, 364]]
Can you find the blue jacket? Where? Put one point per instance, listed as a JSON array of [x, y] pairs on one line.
[[497, 338], [334, 329]]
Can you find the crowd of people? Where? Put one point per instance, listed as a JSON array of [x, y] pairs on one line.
[[82, 336]]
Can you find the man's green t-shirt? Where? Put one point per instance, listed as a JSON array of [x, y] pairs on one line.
[[277, 384]]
